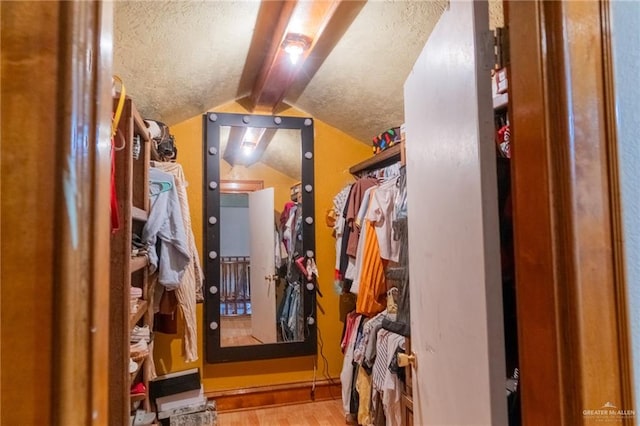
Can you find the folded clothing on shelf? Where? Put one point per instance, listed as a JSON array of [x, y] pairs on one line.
[[386, 140], [139, 350], [136, 292], [140, 333]]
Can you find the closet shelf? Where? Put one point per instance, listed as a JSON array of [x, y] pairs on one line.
[[385, 158], [140, 363], [138, 124], [138, 262], [134, 318], [139, 214], [138, 397], [500, 101]]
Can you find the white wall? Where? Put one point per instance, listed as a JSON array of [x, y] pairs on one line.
[[626, 57], [234, 235]]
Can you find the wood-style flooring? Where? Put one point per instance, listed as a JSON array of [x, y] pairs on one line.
[[322, 413], [236, 331]]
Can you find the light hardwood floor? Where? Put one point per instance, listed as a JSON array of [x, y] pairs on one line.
[[322, 413], [236, 331]]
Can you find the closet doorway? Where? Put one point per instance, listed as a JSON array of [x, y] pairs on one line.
[[235, 263]]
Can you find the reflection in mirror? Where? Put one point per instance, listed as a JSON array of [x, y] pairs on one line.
[[263, 234], [260, 300]]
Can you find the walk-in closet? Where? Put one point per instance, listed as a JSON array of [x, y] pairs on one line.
[[319, 212]]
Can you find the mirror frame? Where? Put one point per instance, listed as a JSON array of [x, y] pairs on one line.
[[212, 122]]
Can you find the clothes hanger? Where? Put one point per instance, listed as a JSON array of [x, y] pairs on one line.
[[163, 187]]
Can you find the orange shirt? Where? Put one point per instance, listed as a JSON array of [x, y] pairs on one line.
[[373, 286]]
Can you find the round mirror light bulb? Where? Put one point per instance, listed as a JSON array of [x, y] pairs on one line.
[[311, 321], [308, 122], [308, 155], [213, 255], [213, 151], [277, 120], [309, 253], [213, 289], [246, 119], [213, 117], [213, 325], [308, 188], [309, 220], [310, 286], [213, 185], [213, 220]]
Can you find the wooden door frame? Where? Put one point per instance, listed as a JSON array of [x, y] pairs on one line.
[[570, 281], [240, 186], [56, 100]]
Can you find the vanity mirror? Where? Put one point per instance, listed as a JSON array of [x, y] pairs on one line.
[[259, 238]]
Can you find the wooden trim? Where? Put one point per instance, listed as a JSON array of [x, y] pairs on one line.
[[234, 186], [622, 319], [274, 395], [569, 275], [30, 54], [386, 157], [139, 214], [81, 280], [99, 299]]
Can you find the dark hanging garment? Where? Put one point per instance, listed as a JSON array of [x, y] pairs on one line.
[[344, 258]]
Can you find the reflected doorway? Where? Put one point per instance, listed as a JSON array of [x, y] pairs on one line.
[[235, 263]]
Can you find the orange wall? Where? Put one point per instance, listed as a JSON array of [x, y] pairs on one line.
[[334, 153]]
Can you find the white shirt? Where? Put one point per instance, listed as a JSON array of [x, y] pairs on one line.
[[381, 214]]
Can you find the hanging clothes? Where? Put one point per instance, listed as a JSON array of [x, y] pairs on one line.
[[386, 384], [355, 200], [165, 225], [190, 288], [346, 375], [381, 214]]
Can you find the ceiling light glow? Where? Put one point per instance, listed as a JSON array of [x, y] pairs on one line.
[[295, 45]]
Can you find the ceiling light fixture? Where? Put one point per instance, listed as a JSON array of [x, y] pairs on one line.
[[295, 45], [250, 139], [248, 147]]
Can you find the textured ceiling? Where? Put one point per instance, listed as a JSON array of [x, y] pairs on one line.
[[179, 59], [359, 88]]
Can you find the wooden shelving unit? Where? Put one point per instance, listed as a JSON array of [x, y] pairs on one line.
[[138, 262], [143, 306], [139, 214], [132, 191], [389, 156]]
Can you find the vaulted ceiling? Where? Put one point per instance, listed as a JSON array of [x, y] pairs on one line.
[[179, 59]]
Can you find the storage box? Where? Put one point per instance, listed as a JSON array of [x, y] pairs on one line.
[[174, 383], [178, 400], [204, 418], [208, 416]]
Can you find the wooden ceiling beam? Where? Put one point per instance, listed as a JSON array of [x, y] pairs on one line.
[[320, 21], [233, 149], [263, 143]]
